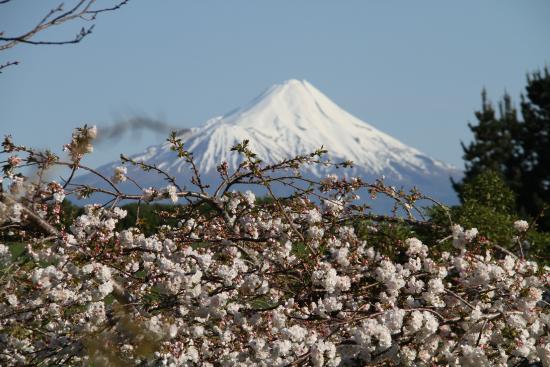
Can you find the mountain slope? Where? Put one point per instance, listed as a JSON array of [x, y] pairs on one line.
[[296, 118]]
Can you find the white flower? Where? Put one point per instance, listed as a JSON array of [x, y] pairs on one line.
[[543, 352], [5, 254], [172, 193], [278, 317], [227, 274], [296, 333], [324, 349], [407, 355], [393, 319], [149, 194], [415, 321], [521, 225], [436, 285], [329, 180], [343, 283], [233, 203], [461, 237], [105, 289], [474, 357], [313, 216], [120, 213], [96, 312], [192, 355], [416, 247], [81, 142], [10, 212], [373, 329], [120, 174], [331, 304], [315, 232], [333, 207], [103, 273], [386, 273], [88, 268], [341, 256], [282, 347], [470, 234], [476, 314], [430, 322], [12, 299], [197, 331], [4, 212], [59, 196], [328, 278], [415, 286], [250, 198], [43, 277], [423, 322]]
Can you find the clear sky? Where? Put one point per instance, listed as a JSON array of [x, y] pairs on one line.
[[414, 69]]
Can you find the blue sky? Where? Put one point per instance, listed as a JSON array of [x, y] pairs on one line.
[[414, 69]]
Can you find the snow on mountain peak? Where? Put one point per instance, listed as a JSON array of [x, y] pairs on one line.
[[293, 118], [291, 95]]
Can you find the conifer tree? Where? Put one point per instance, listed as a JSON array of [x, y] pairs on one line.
[[535, 146], [493, 146], [518, 149]]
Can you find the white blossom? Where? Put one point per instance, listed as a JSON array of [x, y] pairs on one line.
[[120, 174], [172, 193], [241, 283], [521, 225]]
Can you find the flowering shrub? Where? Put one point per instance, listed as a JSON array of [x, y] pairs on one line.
[[237, 283]]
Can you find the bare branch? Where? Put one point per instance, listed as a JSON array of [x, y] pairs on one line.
[[82, 11], [8, 64]]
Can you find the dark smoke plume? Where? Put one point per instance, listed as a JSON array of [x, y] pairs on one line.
[[135, 126]]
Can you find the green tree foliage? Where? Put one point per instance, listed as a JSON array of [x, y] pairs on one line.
[[148, 217], [535, 143], [69, 212], [518, 149], [489, 189], [490, 206], [493, 144]]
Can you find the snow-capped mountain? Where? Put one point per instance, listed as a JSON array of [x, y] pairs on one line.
[[294, 118]]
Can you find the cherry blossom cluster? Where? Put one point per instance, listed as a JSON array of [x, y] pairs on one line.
[[243, 282]]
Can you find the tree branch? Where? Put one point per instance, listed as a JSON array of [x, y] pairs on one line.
[[82, 10]]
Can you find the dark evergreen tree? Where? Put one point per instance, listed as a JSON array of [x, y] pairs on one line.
[[517, 149], [534, 195], [494, 147]]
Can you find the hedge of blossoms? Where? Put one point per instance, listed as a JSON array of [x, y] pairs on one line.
[[237, 283]]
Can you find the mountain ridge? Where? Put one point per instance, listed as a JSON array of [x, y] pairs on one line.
[[293, 118]]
